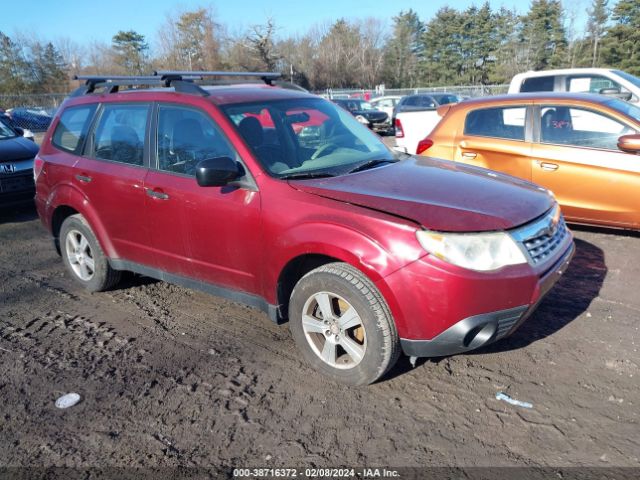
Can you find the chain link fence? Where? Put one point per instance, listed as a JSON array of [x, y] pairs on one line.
[[463, 91], [31, 111], [35, 111]]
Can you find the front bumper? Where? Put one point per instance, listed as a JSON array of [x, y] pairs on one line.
[[479, 330]]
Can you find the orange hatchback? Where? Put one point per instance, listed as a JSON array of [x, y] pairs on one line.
[[582, 147]]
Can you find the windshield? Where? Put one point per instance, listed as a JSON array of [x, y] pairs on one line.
[[624, 107], [628, 77], [301, 137], [5, 130]]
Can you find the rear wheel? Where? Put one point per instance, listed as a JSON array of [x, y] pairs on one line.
[[342, 324], [83, 257]]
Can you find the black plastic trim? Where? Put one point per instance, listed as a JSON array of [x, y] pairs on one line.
[[238, 296]]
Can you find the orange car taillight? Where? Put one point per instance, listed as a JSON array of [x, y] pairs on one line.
[[423, 145], [399, 131]]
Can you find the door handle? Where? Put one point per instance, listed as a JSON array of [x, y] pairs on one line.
[[156, 194], [83, 178], [470, 155], [548, 166]]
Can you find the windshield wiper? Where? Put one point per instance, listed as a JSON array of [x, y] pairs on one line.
[[303, 175], [369, 164]]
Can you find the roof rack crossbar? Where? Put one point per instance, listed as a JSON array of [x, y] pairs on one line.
[[266, 77]]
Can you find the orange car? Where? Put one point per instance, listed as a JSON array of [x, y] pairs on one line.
[[582, 147]]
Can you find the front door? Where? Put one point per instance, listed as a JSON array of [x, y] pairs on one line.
[[578, 159], [209, 233]]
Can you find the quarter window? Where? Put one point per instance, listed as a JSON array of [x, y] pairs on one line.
[[120, 133], [538, 84], [187, 136], [502, 122], [580, 128], [72, 127]]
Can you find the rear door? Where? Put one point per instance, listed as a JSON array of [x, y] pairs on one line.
[[497, 138], [578, 159], [209, 233], [111, 174]]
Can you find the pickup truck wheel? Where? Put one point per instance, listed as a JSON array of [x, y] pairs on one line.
[[342, 325], [83, 257]]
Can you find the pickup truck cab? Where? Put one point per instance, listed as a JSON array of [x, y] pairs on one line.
[[603, 81]]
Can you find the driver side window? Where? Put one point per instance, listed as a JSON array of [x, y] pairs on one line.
[[185, 137]]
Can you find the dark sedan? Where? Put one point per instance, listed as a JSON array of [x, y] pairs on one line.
[[16, 166], [365, 113]]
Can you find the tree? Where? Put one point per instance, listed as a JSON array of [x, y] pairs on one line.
[[130, 51], [49, 69], [14, 67], [261, 43], [621, 44], [542, 36], [596, 26], [442, 41], [404, 50]]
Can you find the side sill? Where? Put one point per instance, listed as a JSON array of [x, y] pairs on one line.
[[248, 299]]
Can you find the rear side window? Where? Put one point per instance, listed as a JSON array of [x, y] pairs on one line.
[[119, 135], [538, 84], [72, 128], [501, 122]]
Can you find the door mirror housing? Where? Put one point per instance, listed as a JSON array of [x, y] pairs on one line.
[[615, 92], [629, 143], [218, 172]]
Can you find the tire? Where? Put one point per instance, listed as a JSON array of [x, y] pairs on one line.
[[358, 342], [83, 257]]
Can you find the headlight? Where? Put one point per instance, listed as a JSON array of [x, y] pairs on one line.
[[361, 119], [475, 251]]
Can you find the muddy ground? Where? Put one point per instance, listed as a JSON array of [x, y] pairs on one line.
[[174, 377]]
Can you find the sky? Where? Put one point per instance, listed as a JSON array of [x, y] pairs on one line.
[[86, 21]]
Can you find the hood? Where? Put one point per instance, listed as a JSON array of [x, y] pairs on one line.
[[438, 194], [18, 148]]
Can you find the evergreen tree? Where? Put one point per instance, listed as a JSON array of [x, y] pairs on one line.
[[621, 44], [130, 49], [14, 68], [596, 26], [49, 69], [542, 37], [443, 39], [404, 50]]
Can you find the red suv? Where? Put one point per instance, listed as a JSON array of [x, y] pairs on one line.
[[283, 201]]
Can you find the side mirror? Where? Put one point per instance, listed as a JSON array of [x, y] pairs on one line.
[[615, 92], [629, 143], [217, 172]]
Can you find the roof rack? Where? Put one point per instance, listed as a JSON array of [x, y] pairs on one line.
[[180, 80]]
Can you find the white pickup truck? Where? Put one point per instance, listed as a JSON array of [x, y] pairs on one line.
[[411, 127]]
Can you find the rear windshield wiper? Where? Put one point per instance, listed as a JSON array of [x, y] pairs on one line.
[[369, 164], [304, 175]]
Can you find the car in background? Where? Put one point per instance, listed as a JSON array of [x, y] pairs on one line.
[[36, 119], [412, 103], [604, 81], [582, 147], [16, 166], [365, 113], [445, 98], [386, 104]]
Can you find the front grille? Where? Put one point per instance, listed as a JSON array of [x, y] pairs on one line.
[[545, 244], [542, 238]]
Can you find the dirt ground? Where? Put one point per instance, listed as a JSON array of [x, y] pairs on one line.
[[172, 377]]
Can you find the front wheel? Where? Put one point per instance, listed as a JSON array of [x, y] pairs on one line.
[[342, 325]]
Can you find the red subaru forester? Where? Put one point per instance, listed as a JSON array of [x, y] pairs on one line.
[[278, 199]]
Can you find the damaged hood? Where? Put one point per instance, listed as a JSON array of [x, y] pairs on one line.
[[438, 194]]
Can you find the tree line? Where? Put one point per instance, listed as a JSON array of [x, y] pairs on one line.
[[472, 46]]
